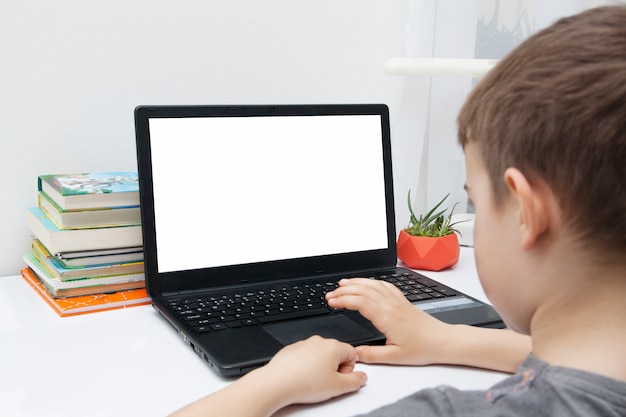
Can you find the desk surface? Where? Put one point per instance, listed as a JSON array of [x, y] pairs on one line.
[[130, 362]]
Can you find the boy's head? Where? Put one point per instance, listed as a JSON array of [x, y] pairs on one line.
[[555, 108]]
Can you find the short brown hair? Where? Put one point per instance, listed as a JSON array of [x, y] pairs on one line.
[[555, 108]]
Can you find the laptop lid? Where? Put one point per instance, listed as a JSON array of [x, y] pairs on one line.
[[234, 195]]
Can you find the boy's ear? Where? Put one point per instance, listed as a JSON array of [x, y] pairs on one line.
[[533, 212]]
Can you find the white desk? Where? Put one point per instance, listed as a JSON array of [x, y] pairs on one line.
[[131, 363]]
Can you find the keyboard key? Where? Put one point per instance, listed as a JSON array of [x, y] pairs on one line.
[[445, 291], [203, 329], [418, 297]]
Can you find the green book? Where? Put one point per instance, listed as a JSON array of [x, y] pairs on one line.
[[91, 190]]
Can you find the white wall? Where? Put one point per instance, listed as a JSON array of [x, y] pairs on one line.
[[72, 72]]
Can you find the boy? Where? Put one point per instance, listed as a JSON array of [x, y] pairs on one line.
[[544, 136]]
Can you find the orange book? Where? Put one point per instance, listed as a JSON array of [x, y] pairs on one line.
[[88, 303]]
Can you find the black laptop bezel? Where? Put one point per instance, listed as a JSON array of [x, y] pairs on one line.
[[159, 283]]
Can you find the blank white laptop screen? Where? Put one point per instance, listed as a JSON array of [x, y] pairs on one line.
[[239, 190]]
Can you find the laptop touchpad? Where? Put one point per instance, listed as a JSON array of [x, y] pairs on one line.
[[334, 326]]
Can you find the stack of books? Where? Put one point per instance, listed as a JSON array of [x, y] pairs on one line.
[[87, 252]]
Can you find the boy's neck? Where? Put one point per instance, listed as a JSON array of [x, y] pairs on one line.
[[583, 327]]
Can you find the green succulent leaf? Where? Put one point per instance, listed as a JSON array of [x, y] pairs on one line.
[[434, 223]]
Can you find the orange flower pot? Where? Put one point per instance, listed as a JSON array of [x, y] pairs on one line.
[[430, 253]]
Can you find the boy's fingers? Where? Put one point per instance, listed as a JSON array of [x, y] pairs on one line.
[[354, 380], [347, 356], [370, 301], [370, 288], [350, 379], [339, 384], [379, 286], [359, 287], [377, 354], [351, 302]]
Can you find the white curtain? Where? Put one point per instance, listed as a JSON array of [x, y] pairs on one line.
[[432, 163]]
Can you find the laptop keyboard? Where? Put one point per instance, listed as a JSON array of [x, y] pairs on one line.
[[208, 313]]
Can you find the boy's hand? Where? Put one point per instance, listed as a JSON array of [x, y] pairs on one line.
[[314, 370], [413, 337], [310, 371]]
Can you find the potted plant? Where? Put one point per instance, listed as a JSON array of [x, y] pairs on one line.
[[430, 241]]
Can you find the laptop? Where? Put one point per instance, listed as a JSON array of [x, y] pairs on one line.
[[246, 207]]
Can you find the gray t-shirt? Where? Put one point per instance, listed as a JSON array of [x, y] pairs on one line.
[[537, 389]]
